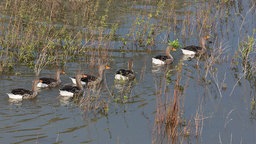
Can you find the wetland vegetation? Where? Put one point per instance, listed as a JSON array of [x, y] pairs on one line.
[[207, 99]]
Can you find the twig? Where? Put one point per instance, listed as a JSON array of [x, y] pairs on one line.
[[236, 84]]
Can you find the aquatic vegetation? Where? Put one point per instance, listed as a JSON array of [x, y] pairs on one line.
[[32, 32], [175, 44], [245, 49]]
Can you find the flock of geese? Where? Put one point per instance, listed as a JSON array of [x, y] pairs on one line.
[[90, 81]]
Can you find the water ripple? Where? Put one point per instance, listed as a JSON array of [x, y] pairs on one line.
[[72, 129]]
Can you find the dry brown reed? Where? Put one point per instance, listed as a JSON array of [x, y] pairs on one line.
[[93, 103], [173, 113], [168, 111]]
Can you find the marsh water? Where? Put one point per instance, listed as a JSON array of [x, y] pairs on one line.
[[215, 106]]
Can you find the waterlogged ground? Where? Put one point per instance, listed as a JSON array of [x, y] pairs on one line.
[[215, 106]]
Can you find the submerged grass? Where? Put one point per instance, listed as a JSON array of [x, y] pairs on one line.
[[31, 30]]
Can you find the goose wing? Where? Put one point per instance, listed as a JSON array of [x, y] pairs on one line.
[[70, 88], [21, 91], [124, 72], [161, 57], [121, 71], [47, 80], [193, 48]]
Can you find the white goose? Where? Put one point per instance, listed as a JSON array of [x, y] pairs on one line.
[[194, 50], [95, 81], [71, 90], [126, 74], [90, 79], [164, 59], [20, 93], [45, 82]]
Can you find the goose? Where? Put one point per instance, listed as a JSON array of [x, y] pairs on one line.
[[71, 90], [194, 50], [126, 74], [94, 81], [90, 79], [45, 82], [164, 59], [20, 93], [84, 79]]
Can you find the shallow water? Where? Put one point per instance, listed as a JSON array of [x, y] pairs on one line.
[[225, 114], [49, 119]]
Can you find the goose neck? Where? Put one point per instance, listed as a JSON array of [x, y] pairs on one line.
[[57, 76], [34, 87], [130, 64], [168, 52], [203, 43], [101, 74], [78, 82]]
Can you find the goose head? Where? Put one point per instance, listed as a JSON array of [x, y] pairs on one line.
[[102, 68], [204, 40], [168, 53]]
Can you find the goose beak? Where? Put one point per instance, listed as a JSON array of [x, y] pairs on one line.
[[207, 37], [107, 67], [174, 49]]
